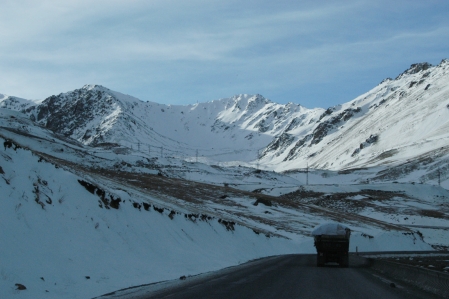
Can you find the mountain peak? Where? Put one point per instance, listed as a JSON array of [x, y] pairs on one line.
[[95, 87], [415, 68], [443, 62], [15, 103]]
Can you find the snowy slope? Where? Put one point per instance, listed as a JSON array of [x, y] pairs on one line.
[[68, 236], [228, 129], [62, 241], [396, 122], [15, 103], [370, 160]]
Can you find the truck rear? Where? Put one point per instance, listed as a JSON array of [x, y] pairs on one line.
[[332, 244]]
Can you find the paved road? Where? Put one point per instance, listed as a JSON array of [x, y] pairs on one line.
[[289, 276]]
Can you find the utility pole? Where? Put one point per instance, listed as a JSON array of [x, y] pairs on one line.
[[439, 177], [307, 174]]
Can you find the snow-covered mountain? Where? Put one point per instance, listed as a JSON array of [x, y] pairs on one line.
[[15, 103], [80, 221], [398, 120], [101, 191], [235, 128]]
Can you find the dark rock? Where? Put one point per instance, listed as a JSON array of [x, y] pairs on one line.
[[160, 210], [264, 201], [415, 68], [89, 187], [228, 224], [7, 144], [296, 122], [146, 206], [137, 205], [277, 144], [326, 113], [20, 287], [323, 128], [295, 150]]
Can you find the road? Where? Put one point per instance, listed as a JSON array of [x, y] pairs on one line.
[[289, 276]]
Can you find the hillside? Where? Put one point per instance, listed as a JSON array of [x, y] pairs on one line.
[[76, 218], [101, 191], [399, 120]]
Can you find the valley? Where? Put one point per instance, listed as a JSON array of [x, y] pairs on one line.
[[101, 191]]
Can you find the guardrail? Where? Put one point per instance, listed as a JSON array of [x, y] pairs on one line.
[[429, 280]]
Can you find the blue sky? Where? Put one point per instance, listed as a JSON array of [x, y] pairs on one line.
[[314, 53]]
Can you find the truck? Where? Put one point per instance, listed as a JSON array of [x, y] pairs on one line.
[[332, 244]]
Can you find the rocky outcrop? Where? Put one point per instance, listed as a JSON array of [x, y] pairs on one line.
[[279, 144], [415, 68], [369, 141], [325, 127]]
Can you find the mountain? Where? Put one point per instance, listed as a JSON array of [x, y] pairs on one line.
[[398, 120], [69, 234], [234, 128], [102, 191], [81, 221], [15, 103]]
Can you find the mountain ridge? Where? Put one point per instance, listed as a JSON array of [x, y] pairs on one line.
[[253, 129], [160, 192]]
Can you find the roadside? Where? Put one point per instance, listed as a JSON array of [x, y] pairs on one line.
[[425, 274]]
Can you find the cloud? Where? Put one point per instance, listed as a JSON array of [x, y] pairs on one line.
[[210, 49], [80, 31]]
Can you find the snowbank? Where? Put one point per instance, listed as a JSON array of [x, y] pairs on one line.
[[330, 229]]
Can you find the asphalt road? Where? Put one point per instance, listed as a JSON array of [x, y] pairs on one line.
[[289, 276]]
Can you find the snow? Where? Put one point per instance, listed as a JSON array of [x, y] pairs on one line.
[[67, 245], [62, 244], [394, 241], [410, 123], [330, 229], [53, 248]]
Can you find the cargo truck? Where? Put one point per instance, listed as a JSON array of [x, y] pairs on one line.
[[332, 244]]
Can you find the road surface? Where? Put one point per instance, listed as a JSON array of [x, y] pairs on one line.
[[288, 276]]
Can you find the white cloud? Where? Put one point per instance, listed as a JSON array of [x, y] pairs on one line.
[[229, 46]]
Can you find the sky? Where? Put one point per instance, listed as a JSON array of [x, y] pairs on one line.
[[313, 53]]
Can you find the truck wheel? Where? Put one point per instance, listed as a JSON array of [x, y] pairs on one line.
[[319, 261], [344, 262]]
